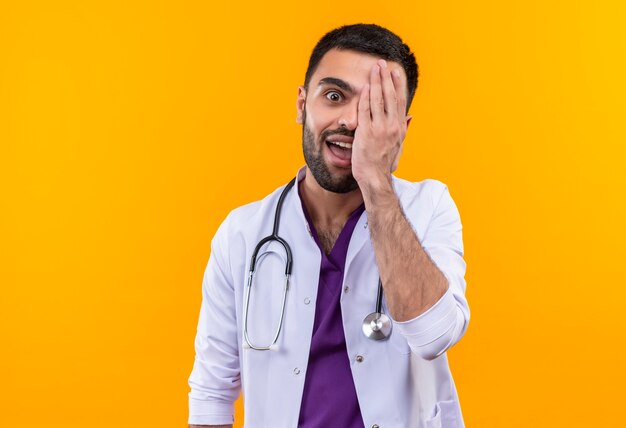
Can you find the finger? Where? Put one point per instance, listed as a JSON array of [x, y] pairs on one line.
[[389, 92], [377, 104], [400, 87], [363, 109]]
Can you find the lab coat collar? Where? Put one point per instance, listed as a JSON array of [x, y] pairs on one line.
[[301, 217], [358, 239]]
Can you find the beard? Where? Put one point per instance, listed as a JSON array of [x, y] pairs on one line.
[[314, 157]]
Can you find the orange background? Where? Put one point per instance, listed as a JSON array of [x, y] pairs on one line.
[[128, 131]]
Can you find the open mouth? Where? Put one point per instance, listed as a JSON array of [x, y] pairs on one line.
[[340, 149], [340, 144]]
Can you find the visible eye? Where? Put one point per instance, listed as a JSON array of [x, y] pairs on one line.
[[334, 96]]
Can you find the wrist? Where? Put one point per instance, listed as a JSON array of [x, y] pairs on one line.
[[378, 192], [373, 180]]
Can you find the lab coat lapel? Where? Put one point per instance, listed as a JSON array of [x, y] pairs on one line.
[[360, 236]]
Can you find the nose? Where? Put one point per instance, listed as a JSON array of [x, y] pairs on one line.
[[348, 117]]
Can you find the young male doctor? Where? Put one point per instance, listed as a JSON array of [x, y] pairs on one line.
[[349, 223]]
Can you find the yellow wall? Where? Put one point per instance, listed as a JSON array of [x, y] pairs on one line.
[[128, 130]]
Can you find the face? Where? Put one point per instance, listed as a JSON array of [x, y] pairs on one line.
[[327, 109]]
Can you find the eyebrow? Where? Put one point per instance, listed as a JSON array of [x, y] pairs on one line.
[[341, 84]]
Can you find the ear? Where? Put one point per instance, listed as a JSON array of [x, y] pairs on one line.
[[300, 103], [408, 120]]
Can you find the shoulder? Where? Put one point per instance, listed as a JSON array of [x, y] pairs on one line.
[[430, 209], [427, 192]]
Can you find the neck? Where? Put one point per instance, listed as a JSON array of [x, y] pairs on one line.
[[328, 210]]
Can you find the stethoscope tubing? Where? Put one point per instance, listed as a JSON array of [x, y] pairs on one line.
[[376, 326]]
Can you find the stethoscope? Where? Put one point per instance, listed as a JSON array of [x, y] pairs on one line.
[[376, 326]]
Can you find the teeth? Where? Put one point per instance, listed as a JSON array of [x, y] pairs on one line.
[[340, 144]]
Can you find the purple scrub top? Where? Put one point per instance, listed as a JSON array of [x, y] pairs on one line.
[[329, 398]]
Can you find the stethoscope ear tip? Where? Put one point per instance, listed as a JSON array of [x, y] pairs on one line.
[[245, 345], [274, 347]]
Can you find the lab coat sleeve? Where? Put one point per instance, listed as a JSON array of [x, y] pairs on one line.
[[435, 331], [215, 378]]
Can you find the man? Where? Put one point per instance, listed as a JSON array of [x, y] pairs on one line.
[[348, 223]]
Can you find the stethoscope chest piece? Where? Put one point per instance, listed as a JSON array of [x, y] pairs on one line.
[[377, 326]]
